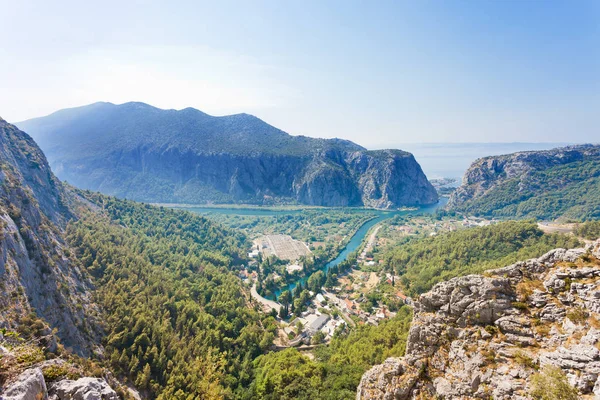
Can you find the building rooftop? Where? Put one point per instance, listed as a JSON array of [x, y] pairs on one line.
[[318, 323]]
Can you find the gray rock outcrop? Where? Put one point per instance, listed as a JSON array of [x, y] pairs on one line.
[[481, 337], [83, 389], [30, 385], [34, 259]]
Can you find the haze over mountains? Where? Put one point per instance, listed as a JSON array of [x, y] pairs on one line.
[[148, 154]]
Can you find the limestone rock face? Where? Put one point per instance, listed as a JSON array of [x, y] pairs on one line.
[[34, 259], [496, 185], [394, 379], [143, 153], [30, 385], [83, 389], [481, 337]]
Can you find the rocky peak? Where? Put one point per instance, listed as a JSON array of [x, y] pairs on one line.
[[488, 173], [167, 156], [493, 335]]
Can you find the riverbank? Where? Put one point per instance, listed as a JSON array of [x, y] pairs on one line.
[[266, 304]]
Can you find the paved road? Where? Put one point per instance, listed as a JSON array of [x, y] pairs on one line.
[[267, 304]]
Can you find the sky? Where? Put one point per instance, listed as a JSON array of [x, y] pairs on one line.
[[380, 73]]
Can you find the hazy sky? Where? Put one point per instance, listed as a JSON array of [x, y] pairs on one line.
[[379, 73]]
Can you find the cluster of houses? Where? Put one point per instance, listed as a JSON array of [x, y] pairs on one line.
[[352, 307], [446, 225], [312, 321]]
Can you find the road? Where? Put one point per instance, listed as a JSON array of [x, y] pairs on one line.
[[267, 304]]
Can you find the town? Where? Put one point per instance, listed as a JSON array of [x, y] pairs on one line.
[[367, 293]]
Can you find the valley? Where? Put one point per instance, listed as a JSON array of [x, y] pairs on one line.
[[300, 200], [237, 301]]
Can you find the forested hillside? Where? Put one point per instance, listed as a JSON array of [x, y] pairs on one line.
[[420, 263], [144, 153], [177, 322], [149, 292], [563, 182]]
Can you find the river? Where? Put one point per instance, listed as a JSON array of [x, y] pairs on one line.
[[358, 237], [352, 245]]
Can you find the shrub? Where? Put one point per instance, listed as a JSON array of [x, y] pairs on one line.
[[519, 305], [54, 372], [524, 360], [491, 329], [551, 384], [577, 315]]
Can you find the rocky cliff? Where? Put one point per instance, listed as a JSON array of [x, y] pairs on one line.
[[545, 184], [518, 332], [37, 273], [148, 154]]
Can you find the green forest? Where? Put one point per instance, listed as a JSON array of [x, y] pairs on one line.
[[336, 369], [571, 191], [178, 324], [589, 230], [421, 262]]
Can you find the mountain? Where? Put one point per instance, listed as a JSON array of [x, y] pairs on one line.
[[140, 152], [36, 268], [563, 182], [529, 330], [92, 285]]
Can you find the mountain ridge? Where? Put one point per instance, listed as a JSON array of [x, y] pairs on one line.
[[544, 184], [140, 152]]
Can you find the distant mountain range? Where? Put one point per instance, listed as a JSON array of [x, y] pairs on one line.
[[148, 154], [547, 184]]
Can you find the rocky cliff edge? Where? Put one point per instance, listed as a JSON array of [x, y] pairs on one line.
[[500, 334]]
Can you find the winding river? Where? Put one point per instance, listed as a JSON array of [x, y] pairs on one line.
[[352, 245]]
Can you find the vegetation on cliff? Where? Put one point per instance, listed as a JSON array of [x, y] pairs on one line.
[[420, 263], [547, 185]]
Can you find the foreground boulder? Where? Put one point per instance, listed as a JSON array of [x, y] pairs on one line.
[[499, 335], [83, 389], [30, 385]]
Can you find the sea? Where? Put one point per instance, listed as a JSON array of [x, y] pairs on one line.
[[451, 160]]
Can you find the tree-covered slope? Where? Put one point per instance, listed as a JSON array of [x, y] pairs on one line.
[[563, 182], [420, 263], [178, 323], [144, 153], [150, 293]]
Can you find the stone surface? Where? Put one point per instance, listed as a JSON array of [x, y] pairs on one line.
[[33, 258], [469, 341], [83, 389], [30, 385]]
